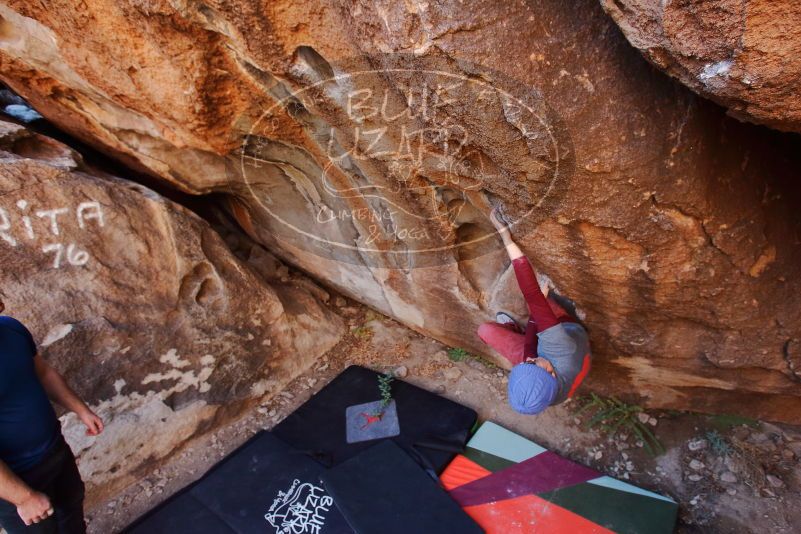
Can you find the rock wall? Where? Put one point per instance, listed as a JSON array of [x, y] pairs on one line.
[[744, 55], [143, 307], [364, 141]]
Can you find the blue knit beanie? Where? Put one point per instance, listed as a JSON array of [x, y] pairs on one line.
[[531, 388]]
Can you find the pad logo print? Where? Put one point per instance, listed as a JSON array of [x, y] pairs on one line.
[[299, 510], [371, 420]]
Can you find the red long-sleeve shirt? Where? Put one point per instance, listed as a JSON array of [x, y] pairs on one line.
[[541, 316]]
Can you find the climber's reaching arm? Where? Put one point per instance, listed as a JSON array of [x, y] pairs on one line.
[[540, 313]]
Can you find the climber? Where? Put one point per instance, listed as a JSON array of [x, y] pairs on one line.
[[551, 356], [40, 487]]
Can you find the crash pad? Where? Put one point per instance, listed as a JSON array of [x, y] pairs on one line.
[[263, 486], [382, 490], [509, 484], [335, 424]]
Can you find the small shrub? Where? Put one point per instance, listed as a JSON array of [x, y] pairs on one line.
[[459, 355], [362, 332], [612, 415], [724, 422], [719, 444], [385, 388]]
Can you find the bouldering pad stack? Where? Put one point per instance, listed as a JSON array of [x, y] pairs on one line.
[[343, 462], [509, 484], [349, 461]]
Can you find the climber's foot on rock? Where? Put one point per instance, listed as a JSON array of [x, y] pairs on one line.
[[505, 318]]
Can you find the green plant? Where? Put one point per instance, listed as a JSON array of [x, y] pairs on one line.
[[458, 354], [362, 332], [370, 315], [724, 422], [718, 443], [385, 387], [613, 415]]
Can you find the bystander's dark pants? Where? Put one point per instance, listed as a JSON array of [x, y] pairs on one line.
[[57, 477]]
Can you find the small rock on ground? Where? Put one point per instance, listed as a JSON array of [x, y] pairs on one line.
[[696, 465]]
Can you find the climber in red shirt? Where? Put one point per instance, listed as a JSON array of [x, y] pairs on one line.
[[551, 356]]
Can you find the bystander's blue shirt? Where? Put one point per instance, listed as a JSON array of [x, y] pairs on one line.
[[28, 423]]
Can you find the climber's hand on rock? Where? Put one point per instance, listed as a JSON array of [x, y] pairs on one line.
[[498, 221]]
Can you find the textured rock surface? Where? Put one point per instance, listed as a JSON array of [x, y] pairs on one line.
[[674, 228], [142, 307], [744, 55]]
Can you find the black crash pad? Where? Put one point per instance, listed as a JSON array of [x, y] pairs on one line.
[[432, 428], [383, 491], [264, 486]]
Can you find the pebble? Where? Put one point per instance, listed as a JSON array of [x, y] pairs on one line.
[[741, 432], [696, 465], [440, 356], [643, 417], [775, 481], [598, 455], [695, 478], [652, 421], [728, 477], [731, 491], [340, 302], [697, 444], [499, 373], [402, 371], [629, 466], [731, 464], [795, 446], [452, 373]]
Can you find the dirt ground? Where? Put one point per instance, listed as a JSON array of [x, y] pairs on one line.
[[727, 473]]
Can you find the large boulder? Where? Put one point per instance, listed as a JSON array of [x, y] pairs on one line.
[[743, 54], [141, 305], [363, 142]]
